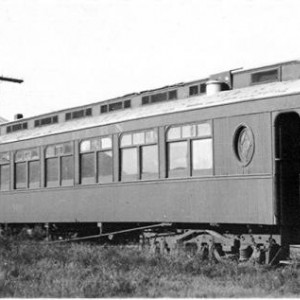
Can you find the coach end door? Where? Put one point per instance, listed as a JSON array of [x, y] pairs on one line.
[[287, 155]]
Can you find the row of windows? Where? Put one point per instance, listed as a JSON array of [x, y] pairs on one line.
[[197, 89], [78, 114], [115, 106], [46, 121], [159, 97], [16, 127], [189, 153]]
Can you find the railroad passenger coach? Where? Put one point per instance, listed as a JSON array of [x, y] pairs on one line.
[[221, 152]]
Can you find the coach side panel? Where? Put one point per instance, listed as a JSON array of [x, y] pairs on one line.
[[235, 192]]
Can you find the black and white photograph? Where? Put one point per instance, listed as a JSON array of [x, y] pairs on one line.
[[149, 149]]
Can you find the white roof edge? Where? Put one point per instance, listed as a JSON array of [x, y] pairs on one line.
[[256, 92]]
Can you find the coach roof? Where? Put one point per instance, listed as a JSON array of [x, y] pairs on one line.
[[262, 91]]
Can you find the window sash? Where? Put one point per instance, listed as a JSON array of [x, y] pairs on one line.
[[52, 172], [96, 144], [21, 175], [149, 162], [105, 166], [87, 168], [178, 159], [34, 174], [202, 157], [56, 150], [4, 177], [67, 170], [129, 164], [27, 155], [189, 131], [138, 138]]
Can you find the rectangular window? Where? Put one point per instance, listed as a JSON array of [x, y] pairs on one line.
[[190, 151], [140, 155], [16, 127], [174, 133], [173, 95], [151, 137], [103, 109], [159, 97], [177, 159], [115, 106], [265, 76], [126, 140], [149, 167], [55, 119], [105, 167], [203, 129], [127, 104], [193, 90], [67, 170], [21, 176], [202, 88], [138, 138], [52, 178], [4, 177], [88, 112], [46, 121], [27, 167], [68, 116], [97, 163], [145, 100], [202, 161], [34, 174], [106, 143], [59, 164], [188, 131], [129, 164], [88, 168], [78, 114]]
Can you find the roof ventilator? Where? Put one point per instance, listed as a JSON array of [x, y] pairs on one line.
[[18, 116], [213, 87]]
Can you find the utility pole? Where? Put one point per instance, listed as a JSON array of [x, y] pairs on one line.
[[10, 79], [14, 80]]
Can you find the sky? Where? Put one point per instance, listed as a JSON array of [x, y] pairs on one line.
[[75, 52]]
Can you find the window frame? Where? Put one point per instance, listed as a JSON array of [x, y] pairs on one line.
[[27, 169], [95, 152], [58, 158], [189, 141], [139, 148], [197, 89], [253, 81], [171, 94], [7, 163]]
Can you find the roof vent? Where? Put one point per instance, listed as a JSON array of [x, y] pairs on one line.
[[213, 87], [18, 116]]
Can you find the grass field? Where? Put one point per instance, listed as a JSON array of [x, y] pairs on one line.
[[33, 269]]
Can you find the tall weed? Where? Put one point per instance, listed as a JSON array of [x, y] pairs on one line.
[[36, 269]]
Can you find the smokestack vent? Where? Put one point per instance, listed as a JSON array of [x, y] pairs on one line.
[[213, 87], [18, 116]]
